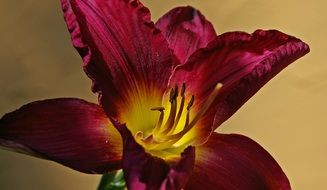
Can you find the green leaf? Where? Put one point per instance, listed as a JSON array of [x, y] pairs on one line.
[[113, 181]]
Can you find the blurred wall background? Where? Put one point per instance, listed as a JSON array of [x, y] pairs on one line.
[[287, 117]]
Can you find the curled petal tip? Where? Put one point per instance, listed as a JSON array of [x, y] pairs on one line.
[[186, 25]]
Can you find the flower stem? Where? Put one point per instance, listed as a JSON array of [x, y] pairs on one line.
[[112, 181]]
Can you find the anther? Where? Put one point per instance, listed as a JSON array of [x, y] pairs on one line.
[[165, 135], [183, 89], [203, 109], [190, 104], [158, 109], [180, 111], [173, 101], [173, 94], [176, 91]]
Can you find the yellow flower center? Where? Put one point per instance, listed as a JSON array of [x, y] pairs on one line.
[[172, 134]]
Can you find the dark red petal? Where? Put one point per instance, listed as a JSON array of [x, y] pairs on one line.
[[123, 52], [234, 162], [242, 62], [70, 131], [144, 171], [186, 30]]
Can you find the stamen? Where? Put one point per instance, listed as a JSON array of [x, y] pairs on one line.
[[205, 107], [179, 114], [171, 119], [161, 117], [168, 141], [172, 139], [165, 136], [180, 111], [177, 136]]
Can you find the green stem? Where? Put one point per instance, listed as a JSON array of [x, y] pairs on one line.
[[112, 181]]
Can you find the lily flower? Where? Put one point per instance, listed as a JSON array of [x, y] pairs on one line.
[[164, 88]]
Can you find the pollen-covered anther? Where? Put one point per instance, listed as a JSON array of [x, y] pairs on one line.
[[165, 136]]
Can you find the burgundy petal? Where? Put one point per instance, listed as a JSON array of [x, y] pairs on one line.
[[234, 162], [186, 30], [242, 62], [144, 171], [123, 52], [70, 131]]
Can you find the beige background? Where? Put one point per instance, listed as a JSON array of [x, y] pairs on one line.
[[288, 116]]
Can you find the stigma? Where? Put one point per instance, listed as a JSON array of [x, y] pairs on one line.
[[170, 128]]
